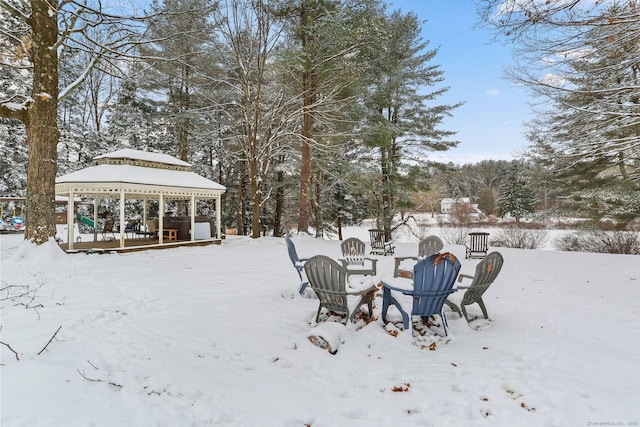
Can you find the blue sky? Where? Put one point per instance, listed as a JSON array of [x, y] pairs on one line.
[[490, 124]]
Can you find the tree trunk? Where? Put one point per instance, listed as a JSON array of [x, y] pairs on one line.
[[305, 152], [386, 192], [182, 127], [388, 159], [277, 220], [308, 89], [241, 204], [42, 126], [339, 198], [317, 207], [256, 199]]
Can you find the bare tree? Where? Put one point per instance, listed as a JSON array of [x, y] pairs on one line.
[[265, 109]]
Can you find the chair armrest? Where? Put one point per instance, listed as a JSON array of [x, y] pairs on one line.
[[462, 287], [397, 270], [434, 294], [362, 291], [397, 289], [463, 276], [374, 262]]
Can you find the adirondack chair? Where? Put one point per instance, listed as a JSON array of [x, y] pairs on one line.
[[478, 245], [486, 272], [433, 282], [328, 279], [107, 227], [428, 246], [132, 227], [354, 260], [378, 244], [298, 263]]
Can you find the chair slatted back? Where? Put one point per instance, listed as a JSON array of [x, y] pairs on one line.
[[353, 251], [478, 245], [291, 249], [433, 280], [478, 242], [429, 245], [379, 245], [377, 239], [328, 280], [108, 226], [486, 272]]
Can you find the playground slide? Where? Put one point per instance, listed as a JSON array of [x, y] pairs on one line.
[[85, 220]]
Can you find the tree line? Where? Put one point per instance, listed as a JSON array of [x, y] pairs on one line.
[[313, 113], [307, 111]]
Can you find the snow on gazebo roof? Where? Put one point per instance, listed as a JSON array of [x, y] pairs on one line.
[[141, 172], [146, 156]]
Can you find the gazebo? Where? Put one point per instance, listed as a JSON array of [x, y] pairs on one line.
[[141, 175]]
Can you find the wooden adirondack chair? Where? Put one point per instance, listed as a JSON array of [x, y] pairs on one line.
[[433, 282], [478, 245], [378, 244], [428, 246], [298, 263], [328, 280], [354, 259], [108, 228], [486, 272]]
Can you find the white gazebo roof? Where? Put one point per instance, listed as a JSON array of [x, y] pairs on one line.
[[147, 156], [138, 172]]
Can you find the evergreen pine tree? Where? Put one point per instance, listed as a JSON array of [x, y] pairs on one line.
[[13, 176], [403, 123], [516, 197], [487, 202], [131, 122]]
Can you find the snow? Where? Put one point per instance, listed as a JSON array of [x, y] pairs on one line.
[[15, 106], [131, 154], [139, 175], [135, 174], [217, 335]]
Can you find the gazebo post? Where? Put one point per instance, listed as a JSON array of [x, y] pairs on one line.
[[218, 222], [70, 220], [122, 231], [193, 217], [95, 217], [161, 219], [144, 215]]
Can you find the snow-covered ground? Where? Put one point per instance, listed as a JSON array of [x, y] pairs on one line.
[[217, 335]]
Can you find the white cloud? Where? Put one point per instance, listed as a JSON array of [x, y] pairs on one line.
[[493, 92]]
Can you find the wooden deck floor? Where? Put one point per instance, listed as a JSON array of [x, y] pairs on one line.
[[132, 245]]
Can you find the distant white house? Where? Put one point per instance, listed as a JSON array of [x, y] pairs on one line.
[[448, 204]]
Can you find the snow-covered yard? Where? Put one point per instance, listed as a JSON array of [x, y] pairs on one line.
[[217, 335]]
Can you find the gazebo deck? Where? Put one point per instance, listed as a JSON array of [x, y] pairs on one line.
[[132, 245]]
